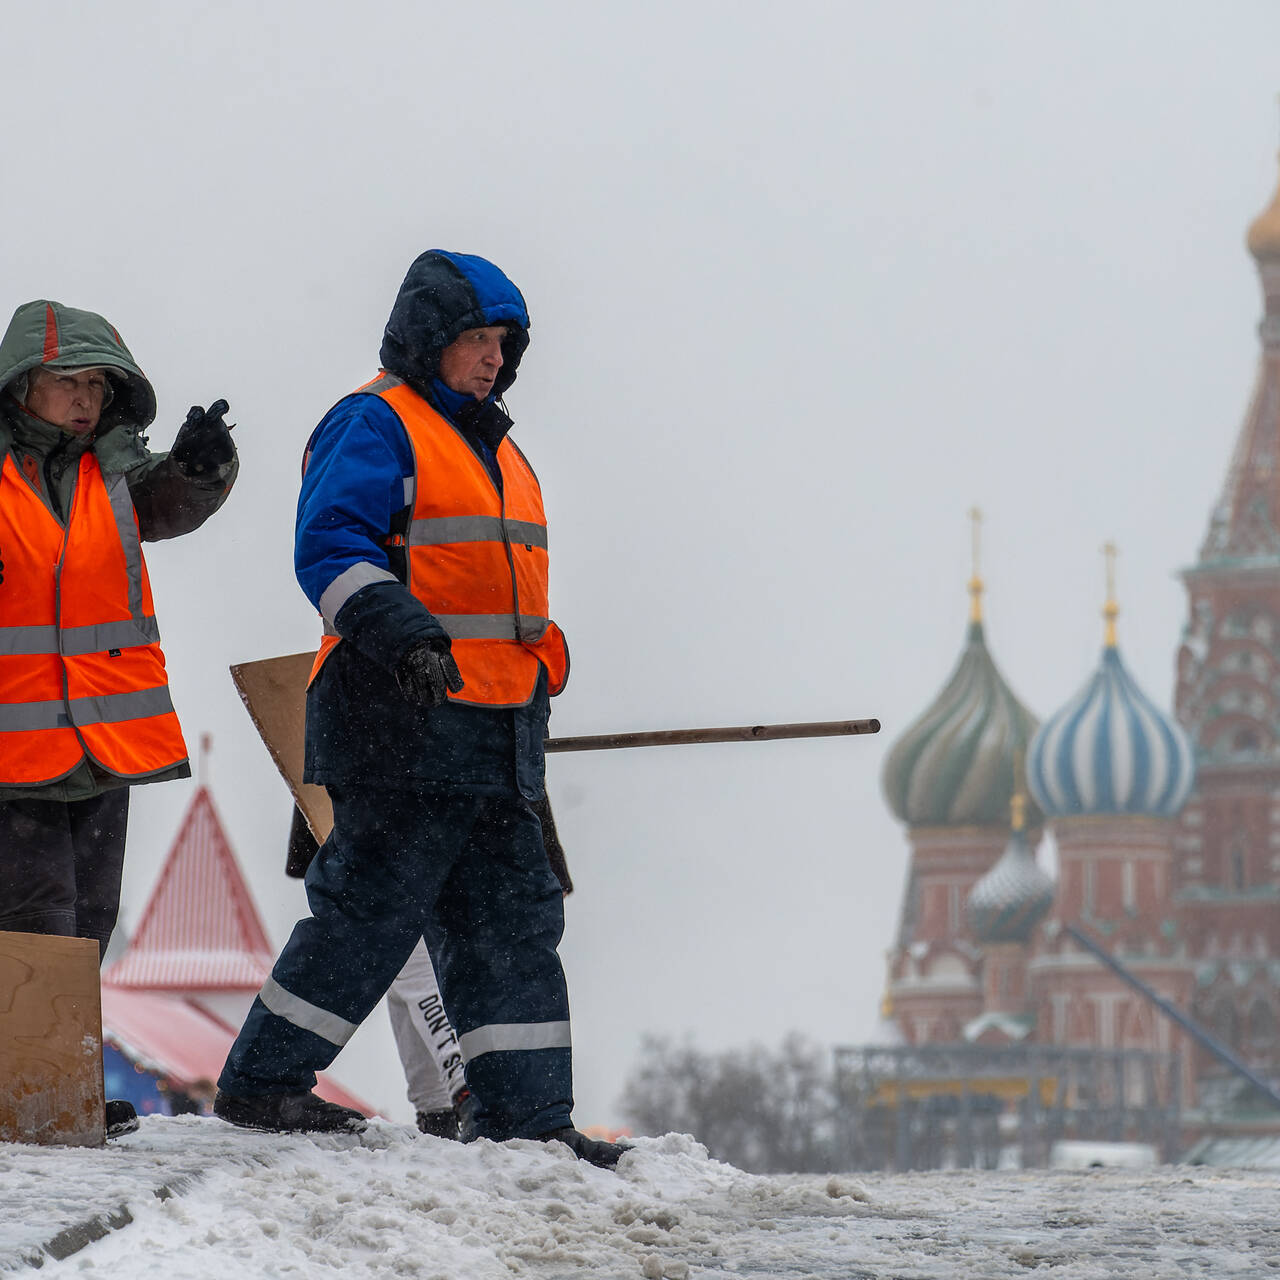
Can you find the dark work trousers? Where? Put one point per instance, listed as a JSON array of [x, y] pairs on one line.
[[60, 864], [466, 870]]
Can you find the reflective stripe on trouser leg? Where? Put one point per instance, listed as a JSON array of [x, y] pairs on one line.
[[506, 1036], [494, 940], [284, 1004], [368, 887]]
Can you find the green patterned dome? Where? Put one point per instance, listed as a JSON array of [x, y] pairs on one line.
[[955, 766]]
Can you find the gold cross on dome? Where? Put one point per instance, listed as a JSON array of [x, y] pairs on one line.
[[1110, 610], [975, 582], [1018, 801]]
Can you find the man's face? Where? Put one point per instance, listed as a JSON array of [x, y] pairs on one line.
[[72, 401], [470, 363]]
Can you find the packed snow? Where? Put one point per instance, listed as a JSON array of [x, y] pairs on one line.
[[192, 1197]]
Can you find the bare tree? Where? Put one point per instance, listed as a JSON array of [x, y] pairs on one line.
[[761, 1110]]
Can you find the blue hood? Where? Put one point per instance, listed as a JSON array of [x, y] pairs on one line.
[[443, 295]]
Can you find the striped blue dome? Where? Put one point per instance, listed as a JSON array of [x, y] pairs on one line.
[[1110, 750]]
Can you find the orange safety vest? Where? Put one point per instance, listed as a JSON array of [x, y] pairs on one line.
[[477, 557], [81, 671]]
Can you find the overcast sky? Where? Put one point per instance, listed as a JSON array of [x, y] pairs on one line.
[[807, 282]]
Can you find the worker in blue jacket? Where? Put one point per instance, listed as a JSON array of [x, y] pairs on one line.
[[421, 539]]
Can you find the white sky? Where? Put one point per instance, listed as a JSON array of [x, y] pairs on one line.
[[807, 282]]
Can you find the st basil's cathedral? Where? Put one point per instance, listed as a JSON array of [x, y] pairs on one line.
[[1166, 824]]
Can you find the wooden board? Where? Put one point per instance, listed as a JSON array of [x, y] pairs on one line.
[[50, 1041], [274, 692]]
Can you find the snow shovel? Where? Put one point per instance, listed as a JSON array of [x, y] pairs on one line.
[[274, 692]]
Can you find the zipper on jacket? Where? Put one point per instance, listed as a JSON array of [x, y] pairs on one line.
[[500, 489], [57, 615], [511, 563], [62, 517]]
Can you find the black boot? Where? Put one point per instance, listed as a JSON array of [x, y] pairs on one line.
[[439, 1124], [465, 1107], [604, 1155], [288, 1113], [121, 1118]]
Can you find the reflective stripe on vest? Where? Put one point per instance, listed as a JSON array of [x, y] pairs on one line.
[[434, 533], [476, 558], [110, 709], [74, 641], [81, 671]]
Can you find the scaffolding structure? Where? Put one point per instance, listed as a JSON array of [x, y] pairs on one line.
[[966, 1106]]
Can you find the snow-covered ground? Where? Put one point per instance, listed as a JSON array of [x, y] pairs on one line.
[[191, 1197]]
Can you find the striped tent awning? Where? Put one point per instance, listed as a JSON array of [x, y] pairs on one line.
[[174, 1039], [200, 930]]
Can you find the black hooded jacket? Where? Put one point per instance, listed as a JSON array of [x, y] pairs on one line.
[[360, 728]]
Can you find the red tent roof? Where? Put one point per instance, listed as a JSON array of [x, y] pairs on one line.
[[165, 1034], [200, 930], [171, 1037], [199, 933]]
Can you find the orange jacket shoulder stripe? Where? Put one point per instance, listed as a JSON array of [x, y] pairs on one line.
[[81, 670], [477, 557]]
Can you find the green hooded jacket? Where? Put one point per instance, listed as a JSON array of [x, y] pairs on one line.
[[168, 502]]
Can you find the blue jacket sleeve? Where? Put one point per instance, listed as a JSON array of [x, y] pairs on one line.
[[355, 479]]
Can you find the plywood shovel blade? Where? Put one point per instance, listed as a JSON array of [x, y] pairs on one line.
[[274, 692], [50, 1041]]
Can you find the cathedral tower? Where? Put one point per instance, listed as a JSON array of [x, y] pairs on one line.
[[950, 778], [1111, 771], [1227, 874]]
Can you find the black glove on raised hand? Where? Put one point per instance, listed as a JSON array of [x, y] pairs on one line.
[[425, 672], [204, 440]]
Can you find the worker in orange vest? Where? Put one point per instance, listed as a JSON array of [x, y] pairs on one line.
[[422, 540], [85, 711]]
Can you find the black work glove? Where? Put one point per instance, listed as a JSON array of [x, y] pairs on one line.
[[204, 440], [426, 671]]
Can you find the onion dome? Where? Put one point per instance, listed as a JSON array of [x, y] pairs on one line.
[[1110, 750], [954, 766], [1013, 897], [1264, 234]]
